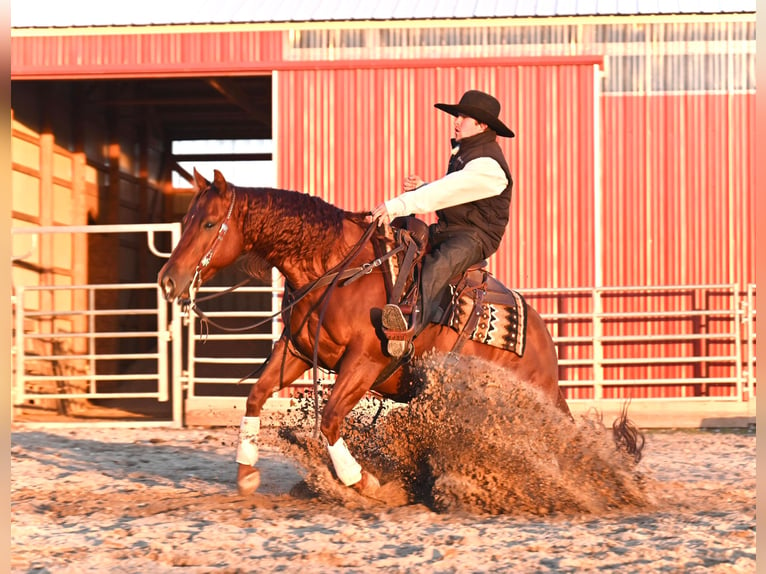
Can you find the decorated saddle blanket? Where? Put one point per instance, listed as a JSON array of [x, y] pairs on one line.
[[484, 310]]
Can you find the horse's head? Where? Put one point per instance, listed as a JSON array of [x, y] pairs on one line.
[[212, 238]]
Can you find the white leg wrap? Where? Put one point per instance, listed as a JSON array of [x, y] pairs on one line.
[[348, 470], [247, 450]]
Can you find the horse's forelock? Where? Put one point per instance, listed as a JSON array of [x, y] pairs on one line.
[[195, 205]]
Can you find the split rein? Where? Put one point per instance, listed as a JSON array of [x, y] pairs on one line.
[[340, 272]]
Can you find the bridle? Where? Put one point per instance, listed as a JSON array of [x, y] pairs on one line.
[[205, 261]]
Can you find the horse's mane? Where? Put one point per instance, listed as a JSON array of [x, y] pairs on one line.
[[298, 226]]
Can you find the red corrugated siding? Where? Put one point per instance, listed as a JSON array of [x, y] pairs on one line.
[[678, 183], [143, 55], [137, 54], [351, 136]]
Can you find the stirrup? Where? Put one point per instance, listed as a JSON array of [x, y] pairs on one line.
[[396, 330]]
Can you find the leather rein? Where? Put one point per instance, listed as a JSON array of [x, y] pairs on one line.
[[339, 273]]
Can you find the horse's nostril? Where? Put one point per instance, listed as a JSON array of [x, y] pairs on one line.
[[168, 287]]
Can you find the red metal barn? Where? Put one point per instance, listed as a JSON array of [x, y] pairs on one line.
[[632, 226]]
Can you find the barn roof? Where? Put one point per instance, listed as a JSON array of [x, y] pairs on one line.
[[80, 13]]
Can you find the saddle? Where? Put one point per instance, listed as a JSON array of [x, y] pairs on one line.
[[476, 305]]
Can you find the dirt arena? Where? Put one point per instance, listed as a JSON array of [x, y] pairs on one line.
[[471, 485]]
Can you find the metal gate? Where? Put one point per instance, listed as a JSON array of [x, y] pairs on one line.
[[222, 357], [79, 339], [75, 338]]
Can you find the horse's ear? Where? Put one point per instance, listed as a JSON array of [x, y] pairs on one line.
[[201, 182], [219, 180], [220, 184]]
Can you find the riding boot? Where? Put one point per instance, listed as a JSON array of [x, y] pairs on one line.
[[398, 333]]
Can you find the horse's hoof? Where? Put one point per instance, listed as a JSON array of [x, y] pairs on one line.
[[368, 486], [393, 494], [248, 480]]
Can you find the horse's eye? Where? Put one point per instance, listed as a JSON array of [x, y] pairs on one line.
[[209, 225]]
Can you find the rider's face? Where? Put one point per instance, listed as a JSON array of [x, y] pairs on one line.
[[466, 126]]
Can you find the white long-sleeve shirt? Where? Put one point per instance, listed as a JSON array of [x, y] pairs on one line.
[[480, 178]]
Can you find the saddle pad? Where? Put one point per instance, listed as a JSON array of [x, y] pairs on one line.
[[500, 325]]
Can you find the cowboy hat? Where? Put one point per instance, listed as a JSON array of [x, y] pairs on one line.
[[481, 107]]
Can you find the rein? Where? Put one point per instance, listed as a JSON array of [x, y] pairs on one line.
[[346, 276], [340, 275], [325, 302], [323, 280]]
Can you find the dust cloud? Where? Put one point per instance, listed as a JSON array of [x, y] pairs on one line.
[[473, 440]]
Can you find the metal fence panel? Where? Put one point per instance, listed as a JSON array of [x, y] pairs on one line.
[[95, 341]]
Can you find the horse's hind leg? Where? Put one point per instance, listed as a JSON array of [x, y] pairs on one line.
[[281, 369], [541, 361]]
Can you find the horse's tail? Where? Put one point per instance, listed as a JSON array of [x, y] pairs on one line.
[[627, 436]]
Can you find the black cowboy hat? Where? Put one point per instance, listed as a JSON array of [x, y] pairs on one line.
[[481, 107]]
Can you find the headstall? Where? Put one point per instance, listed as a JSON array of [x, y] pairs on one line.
[[205, 261]]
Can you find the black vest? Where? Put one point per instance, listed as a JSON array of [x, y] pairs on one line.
[[487, 217]]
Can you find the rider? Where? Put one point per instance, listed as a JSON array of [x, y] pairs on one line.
[[472, 202]]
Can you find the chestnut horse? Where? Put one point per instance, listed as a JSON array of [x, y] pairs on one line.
[[304, 237]]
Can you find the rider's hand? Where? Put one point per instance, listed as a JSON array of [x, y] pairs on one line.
[[380, 214], [412, 182]]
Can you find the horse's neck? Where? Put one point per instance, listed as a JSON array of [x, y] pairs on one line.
[[298, 275], [302, 256]]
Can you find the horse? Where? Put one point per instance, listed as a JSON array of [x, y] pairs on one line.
[[335, 324]]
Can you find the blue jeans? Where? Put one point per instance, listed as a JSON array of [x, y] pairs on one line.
[[452, 252]]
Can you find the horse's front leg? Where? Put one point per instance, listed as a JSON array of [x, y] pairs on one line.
[[349, 388], [281, 369]]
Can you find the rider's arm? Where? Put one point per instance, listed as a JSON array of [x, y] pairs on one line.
[[480, 178]]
